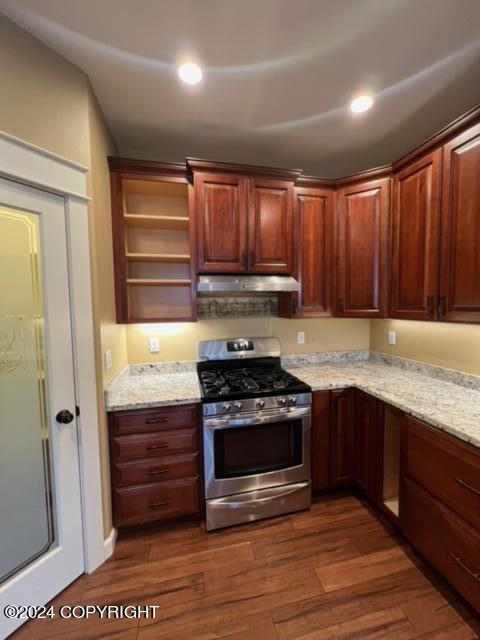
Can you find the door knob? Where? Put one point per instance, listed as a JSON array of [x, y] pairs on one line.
[[64, 416]]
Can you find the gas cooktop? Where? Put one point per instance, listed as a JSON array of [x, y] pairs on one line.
[[260, 377], [244, 368]]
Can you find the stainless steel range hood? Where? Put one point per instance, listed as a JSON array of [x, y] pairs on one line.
[[246, 284]]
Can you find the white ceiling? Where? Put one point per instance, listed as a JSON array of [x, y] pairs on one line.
[[279, 74]]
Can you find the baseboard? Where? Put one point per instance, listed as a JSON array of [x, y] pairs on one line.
[[109, 543]]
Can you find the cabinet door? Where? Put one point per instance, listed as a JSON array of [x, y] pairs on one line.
[[221, 221], [320, 439], [444, 539], [313, 227], [361, 249], [415, 225], [341, 437], [460, 229], [365, 444], [270, 227]]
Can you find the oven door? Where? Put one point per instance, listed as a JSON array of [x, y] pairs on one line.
[[256, 451]]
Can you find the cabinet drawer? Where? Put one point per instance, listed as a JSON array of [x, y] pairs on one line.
[[450, 544], [153, 445], [148, 471], [160, 501], [446, 467], [126, 422]]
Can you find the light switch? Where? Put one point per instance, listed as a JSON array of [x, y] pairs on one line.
[[300, 337], [392, 337], [154, 345], [107, 358]]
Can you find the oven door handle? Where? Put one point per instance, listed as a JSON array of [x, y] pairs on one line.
[[254, 419], [268, 495]]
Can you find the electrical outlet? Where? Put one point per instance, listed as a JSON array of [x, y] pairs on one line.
[[107, 359], [154, 345], [300, 337], [392, 337]]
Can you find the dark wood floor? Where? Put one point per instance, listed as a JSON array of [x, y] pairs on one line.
[[335, 572]]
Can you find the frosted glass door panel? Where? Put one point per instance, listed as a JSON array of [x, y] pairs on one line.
[[27, 520]]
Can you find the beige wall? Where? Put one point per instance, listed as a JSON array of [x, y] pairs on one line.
[[456, 346], [178, 341], [108, 335], [48, 102], [44, 97]]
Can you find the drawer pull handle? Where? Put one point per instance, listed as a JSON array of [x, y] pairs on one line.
[[153, 447], [158, 505], [156, 420], [157, 472], [467, 486], [476, 576]]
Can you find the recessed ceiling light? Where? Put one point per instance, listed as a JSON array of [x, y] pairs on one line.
[[361, 103], [190, 73]]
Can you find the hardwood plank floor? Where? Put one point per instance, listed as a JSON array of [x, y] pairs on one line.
[[335, 572]]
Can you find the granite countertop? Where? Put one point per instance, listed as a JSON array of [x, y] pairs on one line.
[[144, 386], [448, 406], [443, 398]]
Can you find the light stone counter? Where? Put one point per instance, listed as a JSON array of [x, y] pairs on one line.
[[448, 406], [152, 388], [443, 398]]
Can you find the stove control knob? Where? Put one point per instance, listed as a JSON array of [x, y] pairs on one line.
[[238, 405], [226, 407], [282, 401], [260, 404], [292, 400]]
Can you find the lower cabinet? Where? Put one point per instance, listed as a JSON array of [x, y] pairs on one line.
[[365, 466], [155, 465], [341, 437], [320, 440], [445, 540], [440, 504]]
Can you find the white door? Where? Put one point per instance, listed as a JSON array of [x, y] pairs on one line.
[[41, 544]]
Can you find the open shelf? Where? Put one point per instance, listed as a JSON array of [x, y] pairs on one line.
[[178, 223], [392, 428], [157, 282], [157, 257], [153, 240], [392, 505], [149, 303]]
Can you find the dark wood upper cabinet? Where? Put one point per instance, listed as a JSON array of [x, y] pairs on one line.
[[221, 222], [270, 226], [313, 229], [460, 229], [415, 236], [314, 217], [244, 217], [362, 226]]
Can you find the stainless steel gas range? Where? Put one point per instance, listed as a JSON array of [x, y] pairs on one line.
[[256, 432]]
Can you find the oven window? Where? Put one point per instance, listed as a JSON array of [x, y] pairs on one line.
[[245, 451]]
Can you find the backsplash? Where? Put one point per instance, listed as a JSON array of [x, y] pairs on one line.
[[467, 380], [236, 307]]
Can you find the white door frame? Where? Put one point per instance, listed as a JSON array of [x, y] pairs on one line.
[[33, 166]]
